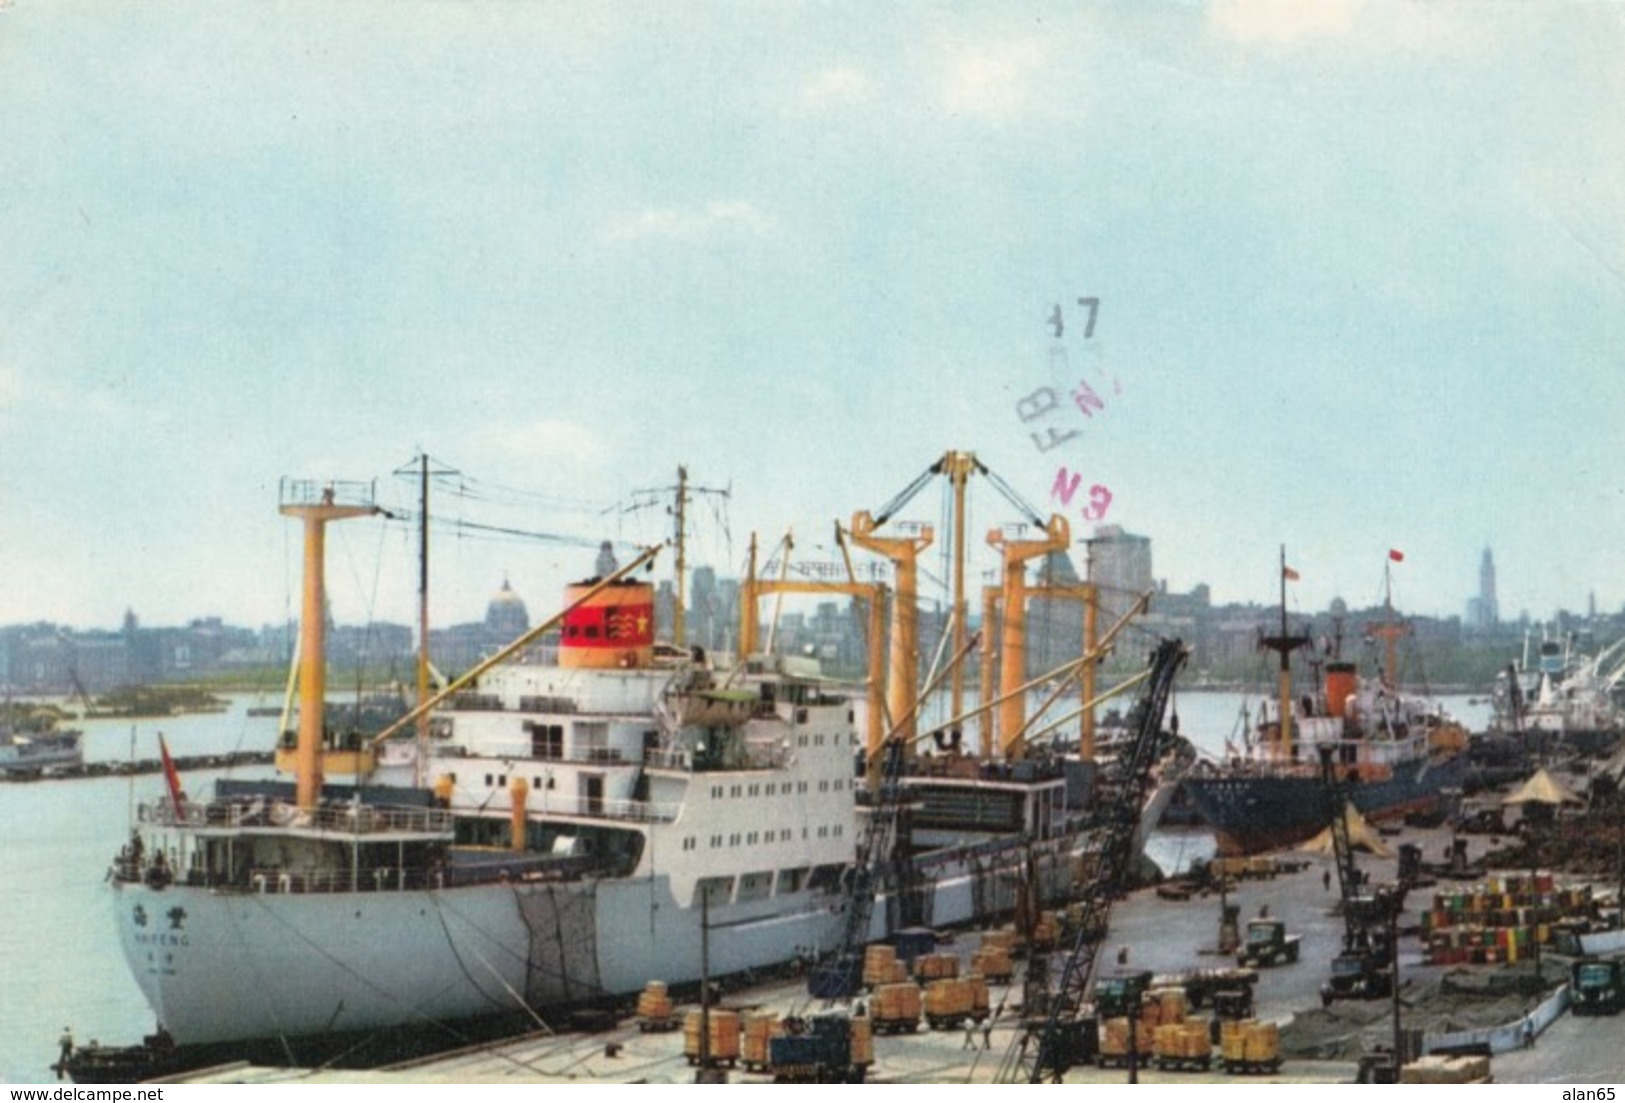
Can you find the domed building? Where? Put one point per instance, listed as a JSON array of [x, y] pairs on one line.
[[507, 616]]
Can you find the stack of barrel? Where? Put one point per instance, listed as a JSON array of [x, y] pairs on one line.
[[1438, 1069], [880, 966], [947, 998], [761, 1027], [724, 1036], [654, 1008], [993, 959], [1178, 1041], [896, 1007], [949, 1001], [1247, 1045]]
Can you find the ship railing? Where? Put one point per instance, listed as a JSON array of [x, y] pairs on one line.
[[668, 760], [344, 819], [639, 811], [756, 758], [272, 880], [524, 750]]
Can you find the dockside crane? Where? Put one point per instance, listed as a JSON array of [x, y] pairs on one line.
[[1363, 969], [1051, 1036]]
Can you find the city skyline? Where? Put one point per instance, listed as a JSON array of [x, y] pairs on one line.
[[1235, 274], [1470, 619]]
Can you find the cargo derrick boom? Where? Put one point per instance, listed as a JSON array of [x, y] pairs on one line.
[[1044, 1045]]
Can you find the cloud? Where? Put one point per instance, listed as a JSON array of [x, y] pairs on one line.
[[1279, 22], [836, 87], [992, 80], [690, 224], [549, 440]]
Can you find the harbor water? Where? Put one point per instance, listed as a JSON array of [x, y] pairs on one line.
[[60, 965]]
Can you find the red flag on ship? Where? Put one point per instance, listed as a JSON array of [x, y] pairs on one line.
[[1289, 574], [172, 777], [1396, 555]]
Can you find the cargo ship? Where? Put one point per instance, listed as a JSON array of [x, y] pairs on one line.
[[1562, 703], [1398, 752], [580, 827]]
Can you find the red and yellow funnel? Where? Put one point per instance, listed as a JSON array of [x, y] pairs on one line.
[[613, 628]]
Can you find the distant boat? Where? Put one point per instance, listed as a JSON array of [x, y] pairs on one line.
[[1566, 700], [31, 743]]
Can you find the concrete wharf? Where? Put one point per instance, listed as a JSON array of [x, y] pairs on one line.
[[1158, 934]]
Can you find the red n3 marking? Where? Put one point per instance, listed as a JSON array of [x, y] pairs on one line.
[[1066, 486]]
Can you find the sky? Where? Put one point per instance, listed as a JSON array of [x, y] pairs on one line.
[[1357, 271]]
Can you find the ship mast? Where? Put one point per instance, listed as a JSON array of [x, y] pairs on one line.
[[959, 466], [421, 469], [316, 507], [679, 512], [1283, 645], [1390, 629]]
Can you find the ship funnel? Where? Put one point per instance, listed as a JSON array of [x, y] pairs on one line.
[[615, 628], [1341, 684]]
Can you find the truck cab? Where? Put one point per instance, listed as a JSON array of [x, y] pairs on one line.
[[1357, 975], [1597, 986], [1267, 944]]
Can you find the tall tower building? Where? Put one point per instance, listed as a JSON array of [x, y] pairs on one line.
[[1483, 613], [1120, 565]]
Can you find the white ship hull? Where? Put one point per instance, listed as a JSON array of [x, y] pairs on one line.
[[222, 967]]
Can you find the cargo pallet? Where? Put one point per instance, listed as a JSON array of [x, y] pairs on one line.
[[1184, 1064], [1255, 1068], [896, 1026], [1120, 1060], [716, 1062], [809, 1074], [658, 1026]]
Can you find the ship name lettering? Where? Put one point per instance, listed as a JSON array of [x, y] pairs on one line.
[[162, 939]]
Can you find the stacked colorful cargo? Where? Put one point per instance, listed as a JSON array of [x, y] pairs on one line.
[[1501, 920]]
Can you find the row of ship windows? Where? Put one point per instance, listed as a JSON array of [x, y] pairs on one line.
[[500, 781], [816, 739], [763, 838], [772, 789]]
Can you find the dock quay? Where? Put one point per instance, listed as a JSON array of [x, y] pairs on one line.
[[1501, 1008]]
